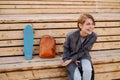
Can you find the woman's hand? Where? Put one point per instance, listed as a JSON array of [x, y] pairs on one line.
[[77, 63], [66, 62]]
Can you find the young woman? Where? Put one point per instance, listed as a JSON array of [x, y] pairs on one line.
[[78, 43]]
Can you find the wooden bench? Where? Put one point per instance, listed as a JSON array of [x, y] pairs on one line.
[[105, 53]]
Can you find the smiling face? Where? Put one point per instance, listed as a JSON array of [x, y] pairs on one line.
[[86, 24], [87, 27]]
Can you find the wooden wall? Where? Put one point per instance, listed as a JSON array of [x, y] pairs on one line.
[[58, 6]]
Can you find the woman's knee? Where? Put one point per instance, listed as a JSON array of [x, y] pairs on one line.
[[87, 70], [77, 74], [86, 66]]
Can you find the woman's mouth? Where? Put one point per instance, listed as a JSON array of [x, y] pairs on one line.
[[89, 31]]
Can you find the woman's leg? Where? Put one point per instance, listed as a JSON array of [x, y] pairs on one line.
[[77, 75], [87, 69], [73, 72]]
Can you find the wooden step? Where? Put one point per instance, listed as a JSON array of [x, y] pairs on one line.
[[11, 31], [18, 68], [55, 17], [57, 11], [56, 33], [56, 25], [12, 43], [58, 7], [30, 75], [16, 50], [59, 2], [37, 6], [19, 63]]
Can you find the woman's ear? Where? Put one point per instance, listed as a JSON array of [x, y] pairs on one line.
[[80, 25]]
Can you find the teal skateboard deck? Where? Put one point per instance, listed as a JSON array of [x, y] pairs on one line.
[[28, 42]]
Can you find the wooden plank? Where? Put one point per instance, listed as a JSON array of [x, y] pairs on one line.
[[59, 48], [3, 76], [20, 75], [107, 67], [107, 4], [43, 7], [43, 65], [106, 59], [19, 59], [55, 17], [19, 34], [56, 11], [10, 64], [108, 76], [56, 33], [107, 31], [94, 54], [107, 24], [30, 65], [48, 11], [59, 2], [106, 45], [45, 3], [92, 0], [57, 6], [108, 38], [36, 74], [49, 73], [109, 0], [5, 35], [10, 43], [100, 76], [10, 51], [107, 10], [86, 0], [104, 53], [62, 72], [96, 77], [57, 78], [99, 68], [69, 0], [51, 25], [20, 42]]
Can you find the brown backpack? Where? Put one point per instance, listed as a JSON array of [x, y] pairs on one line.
[[47, 47]]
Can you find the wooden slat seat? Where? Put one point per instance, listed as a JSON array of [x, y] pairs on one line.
[[18, 62], [102, 63]]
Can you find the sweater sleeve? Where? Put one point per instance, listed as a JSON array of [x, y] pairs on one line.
[[84, 49], [66, 51]]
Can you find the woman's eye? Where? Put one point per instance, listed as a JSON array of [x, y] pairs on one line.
[[88, 23]]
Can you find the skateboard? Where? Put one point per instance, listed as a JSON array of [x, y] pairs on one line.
[[28, 42]]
